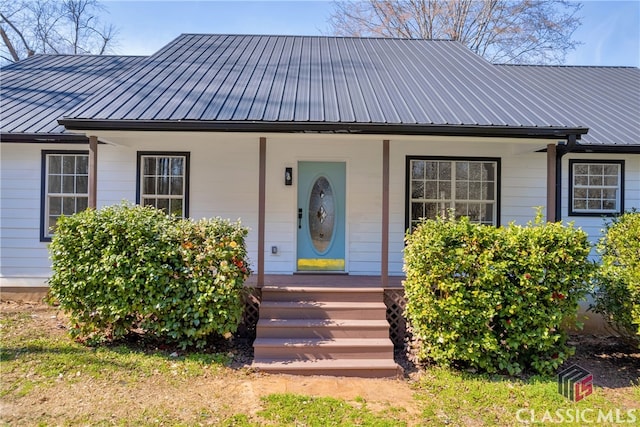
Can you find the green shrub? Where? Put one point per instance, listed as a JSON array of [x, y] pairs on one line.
[[618, 278], [494, 299], [127, 267]]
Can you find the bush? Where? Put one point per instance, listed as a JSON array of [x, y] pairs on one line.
[[494, 299], [127, 267], [618, 278]]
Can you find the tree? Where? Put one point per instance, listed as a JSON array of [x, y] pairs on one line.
[[49, 26], [502, 31]]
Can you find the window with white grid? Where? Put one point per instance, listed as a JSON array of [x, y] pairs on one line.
[[65, 187], [469, 187], [596, 187], [163, 182]]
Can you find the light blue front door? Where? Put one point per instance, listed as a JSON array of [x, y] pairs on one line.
[[321, 216]]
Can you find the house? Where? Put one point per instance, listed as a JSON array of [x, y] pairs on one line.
[[327, 148]]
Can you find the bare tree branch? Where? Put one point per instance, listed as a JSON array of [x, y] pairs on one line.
[[511, 31], [53, 26]]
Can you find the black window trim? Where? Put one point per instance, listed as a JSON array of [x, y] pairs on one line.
[[187, 172], [44, 236], [407, 180], [620, 211]]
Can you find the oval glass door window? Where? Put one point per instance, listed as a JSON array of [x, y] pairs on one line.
[[322, 216]]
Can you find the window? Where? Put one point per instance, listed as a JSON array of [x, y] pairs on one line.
[[596, 187], [163, 182], [65, 187], [468, 186]]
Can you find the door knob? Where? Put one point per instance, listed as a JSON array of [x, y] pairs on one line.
[[299, 217]]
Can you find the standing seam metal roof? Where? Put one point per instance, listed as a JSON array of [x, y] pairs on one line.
[[249, 79], [37, 91]]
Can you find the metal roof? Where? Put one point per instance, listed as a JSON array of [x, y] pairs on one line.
[[307, 79], [604, 99], [37, 91], [309, 83]]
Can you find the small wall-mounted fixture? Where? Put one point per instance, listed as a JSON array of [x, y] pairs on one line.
[[288, 176], [274, 250]]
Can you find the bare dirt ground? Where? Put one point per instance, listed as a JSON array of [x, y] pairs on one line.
[[211, 398]]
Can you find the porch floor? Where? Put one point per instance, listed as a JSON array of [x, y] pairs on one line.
[[325, 280]]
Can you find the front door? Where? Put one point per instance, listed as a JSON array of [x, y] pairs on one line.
[[321, 216]]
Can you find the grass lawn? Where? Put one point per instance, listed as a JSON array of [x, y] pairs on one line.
[[48, 379]]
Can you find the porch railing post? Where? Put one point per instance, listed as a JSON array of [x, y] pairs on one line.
[[384, 268]]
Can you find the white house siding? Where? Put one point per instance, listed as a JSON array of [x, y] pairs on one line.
[[224, 182]]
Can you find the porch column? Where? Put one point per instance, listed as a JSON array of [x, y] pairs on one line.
[[551, 183], [262, 173], [384, 261], [93, 171]]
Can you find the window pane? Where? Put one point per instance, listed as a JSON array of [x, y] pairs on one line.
[[461, 209], [55, 205], [596, 169], [68, 205], [444, 170], [581, 180], [82, 203], [474, 171], [82, 184], [580, 193], [609, 193], [149, 202], [595, 180], [417, 169], [176, 186], [475, 191], [52, 223], [594, 205], [149, 186], [176, 166], [417, 211], [69, 164], [488, 191], [149, 166], [488, 214], [55, 164], [489, 171], [431, 190], [444, 190], [68, 184], [580, 204], [611, 180], [163, 185], [82, 165], [431, 170], [55, 184], [462, 171], [594, 193], [581, 169], [474, 212], [431, 210], [611, 169], [462, 190], [163, 166], [163, 204], [417, 189], [609, 204], [176, 207]]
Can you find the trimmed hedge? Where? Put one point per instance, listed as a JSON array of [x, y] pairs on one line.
[[618, 279], [494, 299], [128, 267]]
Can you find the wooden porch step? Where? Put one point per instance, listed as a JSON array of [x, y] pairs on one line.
[[321, 310], [323, 293], [364, 368], [314, 348], [316, 329], [322, 328]]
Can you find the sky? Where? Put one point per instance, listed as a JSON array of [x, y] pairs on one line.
[[610, 30]]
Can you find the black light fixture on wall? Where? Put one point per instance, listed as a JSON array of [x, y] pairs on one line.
[[288, 176]]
